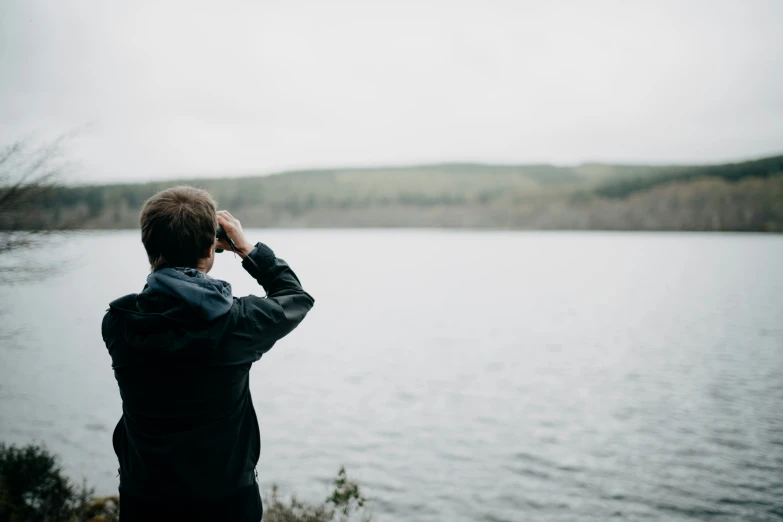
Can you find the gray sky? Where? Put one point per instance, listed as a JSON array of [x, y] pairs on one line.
[[185, 88]]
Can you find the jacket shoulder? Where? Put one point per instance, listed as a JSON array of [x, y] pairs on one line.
[[111, 317], [126, 302]]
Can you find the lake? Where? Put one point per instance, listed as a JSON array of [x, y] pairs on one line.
[[461, 375]]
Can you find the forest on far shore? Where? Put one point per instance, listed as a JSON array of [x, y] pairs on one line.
[[743, 196]]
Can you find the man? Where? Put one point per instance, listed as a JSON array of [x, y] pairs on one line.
[[188, 441]]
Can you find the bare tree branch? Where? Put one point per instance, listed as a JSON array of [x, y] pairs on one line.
[[27, 173]]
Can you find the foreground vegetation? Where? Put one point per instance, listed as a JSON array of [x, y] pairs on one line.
[[33, 488], [746, 196]]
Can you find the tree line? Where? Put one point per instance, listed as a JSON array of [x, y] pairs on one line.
[[735, 196]]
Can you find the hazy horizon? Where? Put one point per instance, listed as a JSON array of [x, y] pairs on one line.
[[171, 90], [391, 166]]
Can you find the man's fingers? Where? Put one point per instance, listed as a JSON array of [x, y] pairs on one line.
[[234, 230], [227, 220], [226, 215]]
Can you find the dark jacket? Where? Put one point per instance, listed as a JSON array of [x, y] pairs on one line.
[[188, 425]]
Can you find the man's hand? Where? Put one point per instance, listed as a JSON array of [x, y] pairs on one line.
[[233, 229]]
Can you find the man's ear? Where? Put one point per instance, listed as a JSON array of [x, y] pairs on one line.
[[210, 251]]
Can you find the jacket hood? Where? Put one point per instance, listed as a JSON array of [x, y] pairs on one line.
[[176, 309], [208, 297]]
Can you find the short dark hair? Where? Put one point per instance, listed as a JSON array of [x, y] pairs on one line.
[[178, 226]]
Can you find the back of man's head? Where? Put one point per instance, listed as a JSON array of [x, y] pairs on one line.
[[178, 227]]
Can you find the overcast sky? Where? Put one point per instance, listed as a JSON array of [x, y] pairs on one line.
[[165, 89]]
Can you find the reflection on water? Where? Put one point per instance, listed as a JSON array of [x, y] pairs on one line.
[[464, 375]]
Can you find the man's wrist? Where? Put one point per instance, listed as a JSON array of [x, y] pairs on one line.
[[244, 249]]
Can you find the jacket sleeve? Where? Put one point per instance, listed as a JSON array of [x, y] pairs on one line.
[[272, 317]]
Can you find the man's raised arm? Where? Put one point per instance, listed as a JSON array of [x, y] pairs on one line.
[[286, 304]]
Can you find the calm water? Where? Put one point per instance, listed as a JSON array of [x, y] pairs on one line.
[[463, 375]]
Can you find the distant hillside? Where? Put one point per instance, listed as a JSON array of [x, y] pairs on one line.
[[737, 196], [621, 186]]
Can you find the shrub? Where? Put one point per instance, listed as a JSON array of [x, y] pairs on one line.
[[346, 502], [34, 489]]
